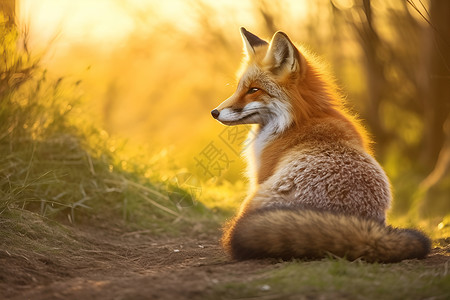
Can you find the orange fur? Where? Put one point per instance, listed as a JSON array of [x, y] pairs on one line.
[[316, 189]]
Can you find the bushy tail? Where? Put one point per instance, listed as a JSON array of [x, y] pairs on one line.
[[287, 233]]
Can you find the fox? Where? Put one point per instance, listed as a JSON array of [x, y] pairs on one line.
[[316, 189]]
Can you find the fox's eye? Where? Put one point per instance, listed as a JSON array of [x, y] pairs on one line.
[[252, 90]]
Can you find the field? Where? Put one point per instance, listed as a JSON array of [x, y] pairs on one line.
[[103, 194]]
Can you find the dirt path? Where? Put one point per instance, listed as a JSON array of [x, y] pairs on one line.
[[117, 265]]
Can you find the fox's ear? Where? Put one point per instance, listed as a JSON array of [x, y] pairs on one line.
[[283, 55], [251, 41]]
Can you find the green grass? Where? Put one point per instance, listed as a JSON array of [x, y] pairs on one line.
[[58, 178], [340, 279], [56, 163]]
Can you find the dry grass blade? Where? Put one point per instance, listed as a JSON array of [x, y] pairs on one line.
[[142, 187], [126, 182], [168, 210]]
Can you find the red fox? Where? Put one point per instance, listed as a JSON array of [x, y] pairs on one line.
[[316, 189]]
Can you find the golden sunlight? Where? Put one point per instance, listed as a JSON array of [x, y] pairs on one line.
[[151, 71], [141, 61], [116, 154], [75, 21], [106, 21]]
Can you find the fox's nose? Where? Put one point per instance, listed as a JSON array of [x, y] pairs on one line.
[[215, 113]]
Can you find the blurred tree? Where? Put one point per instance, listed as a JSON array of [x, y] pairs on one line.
[[437, 96], [434, 196], [407, 68], [8, 8], [378, 87], [390, 68], [271, 12]]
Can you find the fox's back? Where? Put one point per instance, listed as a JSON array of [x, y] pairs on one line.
[[325, 167]]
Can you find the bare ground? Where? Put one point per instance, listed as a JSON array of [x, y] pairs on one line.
[[113, 264], [123, 265]]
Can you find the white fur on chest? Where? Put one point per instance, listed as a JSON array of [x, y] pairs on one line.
[[278, 120]]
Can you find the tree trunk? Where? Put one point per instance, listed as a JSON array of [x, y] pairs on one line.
[[437, 98], [434, 190], [377, 86]]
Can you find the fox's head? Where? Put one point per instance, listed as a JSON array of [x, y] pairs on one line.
[[276, 86]]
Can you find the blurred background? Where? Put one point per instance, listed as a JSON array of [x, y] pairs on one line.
[[150, 72]]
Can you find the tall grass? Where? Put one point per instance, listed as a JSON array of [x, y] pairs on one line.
[[55, 163]]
